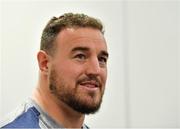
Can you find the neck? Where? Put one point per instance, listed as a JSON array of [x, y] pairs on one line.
[[59, 111]]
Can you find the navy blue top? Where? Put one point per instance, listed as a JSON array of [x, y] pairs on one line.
[[27, 119]]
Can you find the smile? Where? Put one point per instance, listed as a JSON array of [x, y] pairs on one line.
[[90, 85]]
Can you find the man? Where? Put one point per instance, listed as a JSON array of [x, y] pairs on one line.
[[73, 70]]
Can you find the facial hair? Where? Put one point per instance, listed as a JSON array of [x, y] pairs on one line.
[[69, 94]]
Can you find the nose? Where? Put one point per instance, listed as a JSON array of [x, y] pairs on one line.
[[93, 67]]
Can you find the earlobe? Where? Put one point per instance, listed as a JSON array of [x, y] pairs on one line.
[[43, 60]]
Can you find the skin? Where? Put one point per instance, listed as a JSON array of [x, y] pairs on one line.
[[81, 53]]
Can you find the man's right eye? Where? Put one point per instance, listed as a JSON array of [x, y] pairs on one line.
[[80, 56]]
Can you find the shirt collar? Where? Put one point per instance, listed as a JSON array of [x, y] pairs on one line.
[[46, 120]]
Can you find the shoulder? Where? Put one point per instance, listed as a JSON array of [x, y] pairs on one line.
[[28, 118]]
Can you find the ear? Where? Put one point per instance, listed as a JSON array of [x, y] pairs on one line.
[[43, 61]]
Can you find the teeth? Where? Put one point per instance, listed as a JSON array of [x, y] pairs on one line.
[[89, 84]]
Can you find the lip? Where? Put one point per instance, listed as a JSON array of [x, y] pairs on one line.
[[90, 85]]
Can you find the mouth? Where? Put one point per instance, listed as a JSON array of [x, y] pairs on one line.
[[90, 85]]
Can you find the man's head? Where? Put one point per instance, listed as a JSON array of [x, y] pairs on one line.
[[68, 20], [74, 54]]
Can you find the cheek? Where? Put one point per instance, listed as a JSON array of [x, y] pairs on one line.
[[70, 72], [104, 75]]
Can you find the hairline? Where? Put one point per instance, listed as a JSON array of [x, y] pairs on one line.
[[75, 27]]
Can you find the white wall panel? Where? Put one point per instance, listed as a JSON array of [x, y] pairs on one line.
[[0, 63], [152, 37], [178, 123]]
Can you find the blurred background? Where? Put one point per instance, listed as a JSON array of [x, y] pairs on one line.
[[143, 87]]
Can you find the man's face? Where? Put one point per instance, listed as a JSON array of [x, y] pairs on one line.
[[78, 69]]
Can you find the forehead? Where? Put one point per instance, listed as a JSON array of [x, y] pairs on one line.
[[81, 37]]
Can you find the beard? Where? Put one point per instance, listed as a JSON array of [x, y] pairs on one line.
[[85, 103]]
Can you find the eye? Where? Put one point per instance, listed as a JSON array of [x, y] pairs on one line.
[[102, 60], [80, 56]]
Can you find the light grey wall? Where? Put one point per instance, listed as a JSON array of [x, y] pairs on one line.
[[178, 122], [152, 38], [0, 66], [143, 83]]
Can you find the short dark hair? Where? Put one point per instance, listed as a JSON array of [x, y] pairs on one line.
[[68, 20]]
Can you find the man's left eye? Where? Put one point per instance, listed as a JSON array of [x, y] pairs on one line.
[[102, 60]]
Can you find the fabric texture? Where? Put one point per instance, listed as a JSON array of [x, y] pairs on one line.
[[30, 115]]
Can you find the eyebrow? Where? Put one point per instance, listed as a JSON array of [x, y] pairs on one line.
[[80, 49], [103, 52]]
